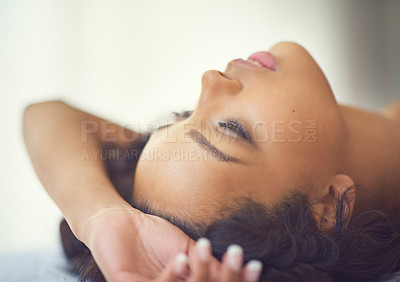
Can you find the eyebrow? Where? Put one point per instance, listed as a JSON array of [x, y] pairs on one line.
[[204, 143]]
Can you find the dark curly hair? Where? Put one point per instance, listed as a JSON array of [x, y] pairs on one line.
[[285, 237]]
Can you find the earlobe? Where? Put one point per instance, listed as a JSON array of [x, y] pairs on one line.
[[337, 187]]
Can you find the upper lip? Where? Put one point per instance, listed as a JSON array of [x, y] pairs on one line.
[[244, 63]]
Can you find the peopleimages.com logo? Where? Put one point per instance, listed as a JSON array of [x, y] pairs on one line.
[[276, 131]]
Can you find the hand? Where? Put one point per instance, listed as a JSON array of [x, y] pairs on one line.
[[200, 265], [129, 245]]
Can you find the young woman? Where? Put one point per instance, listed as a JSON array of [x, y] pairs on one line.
[[268, 161]]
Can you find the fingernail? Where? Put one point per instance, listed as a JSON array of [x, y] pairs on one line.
[[180, 264], [204, 249], [235, 257], [253, 272]]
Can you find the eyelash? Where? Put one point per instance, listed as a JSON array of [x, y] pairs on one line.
[[236, 127]]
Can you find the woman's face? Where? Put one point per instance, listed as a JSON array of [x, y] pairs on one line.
[[256, 132]]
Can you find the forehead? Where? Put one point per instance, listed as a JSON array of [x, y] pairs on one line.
[[177, 186], [173, 179]]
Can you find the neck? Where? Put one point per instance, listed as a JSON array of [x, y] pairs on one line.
[[372, 159]]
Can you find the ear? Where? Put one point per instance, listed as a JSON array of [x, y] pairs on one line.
[[325, 207]]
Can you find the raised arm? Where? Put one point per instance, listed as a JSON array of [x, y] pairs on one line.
[[64, 145]]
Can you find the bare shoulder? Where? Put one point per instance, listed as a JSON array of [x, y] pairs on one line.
[[392, 111]]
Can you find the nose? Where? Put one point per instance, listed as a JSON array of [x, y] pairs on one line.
[[215, 83]]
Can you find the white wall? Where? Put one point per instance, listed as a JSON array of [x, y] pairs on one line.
[[133, 61]]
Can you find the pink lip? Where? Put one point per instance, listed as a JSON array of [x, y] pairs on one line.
[[265, 59]]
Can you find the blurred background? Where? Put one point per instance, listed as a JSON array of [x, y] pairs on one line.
[[135, 61]]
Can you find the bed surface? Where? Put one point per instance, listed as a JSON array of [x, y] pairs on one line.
[[44, 266]]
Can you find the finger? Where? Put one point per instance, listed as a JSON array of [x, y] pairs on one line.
[[214, 266], [175, 270], [252, 271], [201, 264], [232, 264]]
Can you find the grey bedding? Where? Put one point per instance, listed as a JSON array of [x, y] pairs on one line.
[[43, 266]]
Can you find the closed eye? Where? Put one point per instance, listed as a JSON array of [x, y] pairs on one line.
[[237, 128]]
